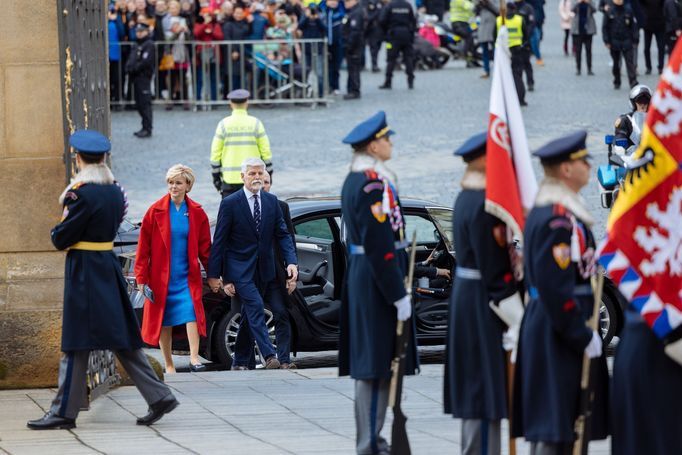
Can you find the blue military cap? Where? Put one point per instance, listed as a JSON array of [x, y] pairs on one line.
[[90, 141], [238, 96], [473, 147], [368, 130], [567, 148]]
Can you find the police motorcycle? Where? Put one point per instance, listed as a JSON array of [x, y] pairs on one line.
[[454, 43], [610, 176]]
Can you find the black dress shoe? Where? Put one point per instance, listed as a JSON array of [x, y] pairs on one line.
[[157, 410], [385, 86], [144, 133], [197, 368], [51, 422], [351, 96], [376, 69]]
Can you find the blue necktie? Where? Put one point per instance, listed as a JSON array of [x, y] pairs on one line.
[[256, 212]]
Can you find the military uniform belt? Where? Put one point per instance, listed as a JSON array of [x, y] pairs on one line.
[[93, 246], [467, 273], [360, 250], [580, 290]]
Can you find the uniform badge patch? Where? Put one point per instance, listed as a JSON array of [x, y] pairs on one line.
[[500, 234], [378, 212], [65, 213], [373, 186], [562, 255], [70, 195]]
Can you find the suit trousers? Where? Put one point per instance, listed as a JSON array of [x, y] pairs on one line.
[[71, 392], [275, 301], [253, 312], [660, 46], [371, 400], [580, 41], [481, 437]]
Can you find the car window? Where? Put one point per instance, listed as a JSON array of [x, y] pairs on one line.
[[318, 228], [444, 219], [424, 227]]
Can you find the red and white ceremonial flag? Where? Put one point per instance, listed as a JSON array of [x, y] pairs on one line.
[[643, 249], [510, 181]]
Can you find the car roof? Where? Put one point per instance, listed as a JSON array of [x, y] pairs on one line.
[[303, 205]]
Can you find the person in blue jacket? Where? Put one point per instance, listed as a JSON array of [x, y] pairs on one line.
[[374, 297], [559, 256], [333, 12], [97, 312], [116, 32]]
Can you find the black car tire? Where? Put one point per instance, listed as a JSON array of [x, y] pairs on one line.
[[609, 317], [226, 336]]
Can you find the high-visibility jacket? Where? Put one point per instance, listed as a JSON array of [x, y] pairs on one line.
[[236, 138], [515, 29], [461, 11]]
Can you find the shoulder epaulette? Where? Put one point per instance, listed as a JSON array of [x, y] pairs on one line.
[[560, 210], [77, 185], [371, 174]]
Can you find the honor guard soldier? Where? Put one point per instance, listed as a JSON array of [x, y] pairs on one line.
[[559, 256], [97, 311], [475, 368], [375, 297], [237, 137], [399, 24], [353, 32], [140, 67]]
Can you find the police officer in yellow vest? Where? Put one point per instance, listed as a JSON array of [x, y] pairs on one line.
[[237, 137], [518, 35], [461, 14]]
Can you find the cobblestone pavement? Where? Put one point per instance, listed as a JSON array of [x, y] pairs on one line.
[[445, 108], [237, 413]]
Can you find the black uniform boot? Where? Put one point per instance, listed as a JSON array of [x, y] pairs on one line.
[[386, 84], [410, 83], [50, 422]]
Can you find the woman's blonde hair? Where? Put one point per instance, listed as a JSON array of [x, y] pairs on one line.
[[180, 170]]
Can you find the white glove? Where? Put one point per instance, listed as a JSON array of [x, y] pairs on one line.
[[510, 340], [593, 349], [674, 351], [404, 307], [510, 310]]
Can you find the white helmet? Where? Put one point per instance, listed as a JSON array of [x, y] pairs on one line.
[[639, 91]]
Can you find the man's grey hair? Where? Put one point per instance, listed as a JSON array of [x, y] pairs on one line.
[[252, 162]]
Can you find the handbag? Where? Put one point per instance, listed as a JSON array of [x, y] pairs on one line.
[[167, 62]]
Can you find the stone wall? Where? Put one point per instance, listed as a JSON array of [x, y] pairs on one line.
[[33, 176]]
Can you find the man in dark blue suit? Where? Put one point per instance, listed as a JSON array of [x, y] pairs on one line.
[[242, 254]]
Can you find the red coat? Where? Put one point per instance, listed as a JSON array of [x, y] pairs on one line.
[[152, 263]]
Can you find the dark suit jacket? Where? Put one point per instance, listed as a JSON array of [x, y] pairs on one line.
[[239, 252], [280, 269]]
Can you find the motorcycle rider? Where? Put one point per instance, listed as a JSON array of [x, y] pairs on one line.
[[461, 13], [629, 126]]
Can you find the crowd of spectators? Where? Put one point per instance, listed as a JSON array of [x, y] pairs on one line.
[[176, 23]]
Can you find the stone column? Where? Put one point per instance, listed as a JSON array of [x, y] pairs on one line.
[[32, 173]]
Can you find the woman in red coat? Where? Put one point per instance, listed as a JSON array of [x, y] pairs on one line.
[[175, 236]]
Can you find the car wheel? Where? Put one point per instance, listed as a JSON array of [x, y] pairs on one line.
[[609, 318], [226, 337]]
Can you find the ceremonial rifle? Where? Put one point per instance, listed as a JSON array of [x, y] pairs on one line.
[[582, 423], [399, 442]]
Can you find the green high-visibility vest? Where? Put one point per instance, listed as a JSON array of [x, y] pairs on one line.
[[236, 138], [515, 28], [461, 10]]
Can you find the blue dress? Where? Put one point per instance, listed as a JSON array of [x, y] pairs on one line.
[[179, 307]]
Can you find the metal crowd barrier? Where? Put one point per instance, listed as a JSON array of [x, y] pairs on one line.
[[274, 71]]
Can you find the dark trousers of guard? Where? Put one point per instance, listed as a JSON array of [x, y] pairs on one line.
[[71, 391], [392, 53], [627, 55], [143, 101], [354, 66], [528, 67], [374, 38], [518, 61], [229, 188]]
